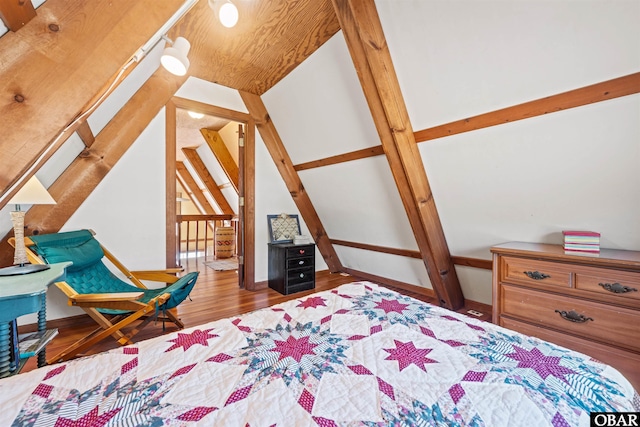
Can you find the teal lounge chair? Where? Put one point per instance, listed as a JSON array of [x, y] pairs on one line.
[[110, 301]]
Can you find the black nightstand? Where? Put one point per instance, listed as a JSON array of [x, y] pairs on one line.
[[292, 267]]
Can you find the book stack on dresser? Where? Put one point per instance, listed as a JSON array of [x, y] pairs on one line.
[[581, 241]]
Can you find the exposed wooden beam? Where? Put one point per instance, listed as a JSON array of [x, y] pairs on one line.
[[365, 39], [211, 110], [291, 179], [191, 186], [341, 158], [84, 174], [171, 252], [86, 134], [203, 173], [43, 63], [604, 91], [485, 264], [16, 13], [247, 158], [220, 151]]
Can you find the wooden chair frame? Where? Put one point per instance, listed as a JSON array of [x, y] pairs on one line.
[[118, 301]]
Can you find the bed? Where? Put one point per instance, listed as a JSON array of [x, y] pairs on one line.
[[359, 354]]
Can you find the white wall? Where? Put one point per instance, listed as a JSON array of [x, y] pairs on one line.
[[526, 180]]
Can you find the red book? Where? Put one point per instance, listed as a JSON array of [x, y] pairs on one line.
[[581, 233]]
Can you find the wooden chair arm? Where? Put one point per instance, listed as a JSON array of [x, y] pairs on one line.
[[116, 301], [157, 275], [113, 296]]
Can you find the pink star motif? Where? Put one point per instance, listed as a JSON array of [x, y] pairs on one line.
[[406, 353], [294, 347], [91, 418], [389, 305], [543, 365], [312, 302], [187, 340]]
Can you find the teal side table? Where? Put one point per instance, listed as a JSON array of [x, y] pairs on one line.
[[20, 295]]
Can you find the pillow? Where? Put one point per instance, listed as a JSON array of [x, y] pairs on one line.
[[82, 255]]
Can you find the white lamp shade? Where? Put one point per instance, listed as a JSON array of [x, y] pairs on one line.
[[226, 12], [32, 193], [195, 115], [174, 58]]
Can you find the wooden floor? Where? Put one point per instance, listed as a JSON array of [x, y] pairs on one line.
[[215, 296]]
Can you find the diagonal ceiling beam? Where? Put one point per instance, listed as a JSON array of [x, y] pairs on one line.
[[84, 174], [291, 179], [15, 14], [365, 39], [191, 186], [203, 173], [41, 62], [220, 151]]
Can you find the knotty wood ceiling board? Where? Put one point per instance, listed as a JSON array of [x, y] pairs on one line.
[[269, 41], [53, 66]]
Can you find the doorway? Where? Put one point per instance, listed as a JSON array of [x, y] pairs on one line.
[[235, 161]]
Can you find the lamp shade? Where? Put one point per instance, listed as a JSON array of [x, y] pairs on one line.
[[174, 58], [226, 12], [32, 193]]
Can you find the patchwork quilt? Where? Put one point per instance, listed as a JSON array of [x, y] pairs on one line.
[[358, 355]]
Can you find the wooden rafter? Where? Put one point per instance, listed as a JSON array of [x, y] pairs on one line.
[[15, 14], [203, 173], [291, 179], [365, 39], [60, 30], [603, 91], [191, 186], [84, 174], [86, 134], [220, 151]]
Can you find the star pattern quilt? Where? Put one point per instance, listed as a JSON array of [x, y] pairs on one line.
[[358, 355]]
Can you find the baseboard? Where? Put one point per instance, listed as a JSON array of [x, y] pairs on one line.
[[62, 323]]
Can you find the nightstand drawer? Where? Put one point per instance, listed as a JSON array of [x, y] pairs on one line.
[[300, 262], [299, 250], [299, 276], [536, 273], [622, 286], [591, 320]]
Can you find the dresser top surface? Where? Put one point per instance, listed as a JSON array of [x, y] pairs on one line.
[[606, 257]]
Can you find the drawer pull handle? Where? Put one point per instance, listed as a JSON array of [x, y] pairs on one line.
[[302, 275], [301, 251], [573, 316], [536, 275], [300, 262], [617, 288]]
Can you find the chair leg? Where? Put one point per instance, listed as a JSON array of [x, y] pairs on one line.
[[87, 342]]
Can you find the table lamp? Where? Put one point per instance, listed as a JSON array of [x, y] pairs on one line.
[[32, 193]]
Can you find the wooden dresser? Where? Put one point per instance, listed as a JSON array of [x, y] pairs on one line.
[[589, 303]]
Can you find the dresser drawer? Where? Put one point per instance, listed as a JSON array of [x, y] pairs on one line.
[[626, 362], [536, 273], [606, 323], [618, 286]]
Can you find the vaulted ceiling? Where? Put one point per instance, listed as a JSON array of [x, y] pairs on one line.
[[68, 52]]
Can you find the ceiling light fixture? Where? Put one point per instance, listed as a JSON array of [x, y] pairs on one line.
[[174, 58], [195, 115], [225, 11]]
